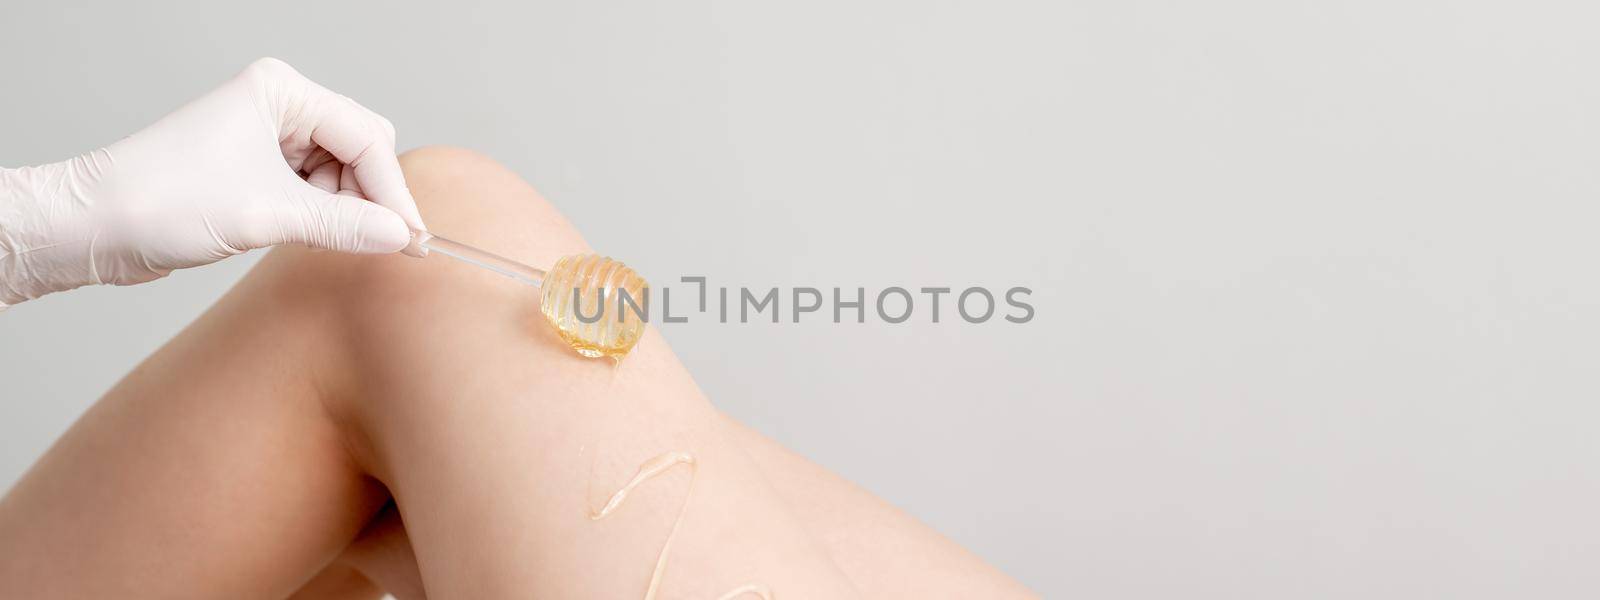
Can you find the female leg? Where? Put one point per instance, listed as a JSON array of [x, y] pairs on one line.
[[440, 384]]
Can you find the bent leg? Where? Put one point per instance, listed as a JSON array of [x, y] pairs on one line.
[[500, 443], [502, 447], [234, 462]]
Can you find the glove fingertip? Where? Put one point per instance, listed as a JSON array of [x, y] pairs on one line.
[[380, 231]]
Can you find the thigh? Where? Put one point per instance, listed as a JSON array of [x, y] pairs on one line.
[[885, 552], [212, 470]]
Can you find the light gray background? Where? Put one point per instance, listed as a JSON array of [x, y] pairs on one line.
[[1315, 280]]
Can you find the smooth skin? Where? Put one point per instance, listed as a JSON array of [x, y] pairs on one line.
[[340, 423]]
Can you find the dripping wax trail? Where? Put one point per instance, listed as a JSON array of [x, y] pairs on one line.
[[647, 471]]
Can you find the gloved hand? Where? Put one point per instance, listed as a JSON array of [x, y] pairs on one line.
[[267, 158]]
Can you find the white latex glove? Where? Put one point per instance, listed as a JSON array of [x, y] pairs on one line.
[[267, 158]]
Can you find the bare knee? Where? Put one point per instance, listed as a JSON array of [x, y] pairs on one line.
[[390, 315]]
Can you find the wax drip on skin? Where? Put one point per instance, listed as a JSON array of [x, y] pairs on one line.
[[648, 470]]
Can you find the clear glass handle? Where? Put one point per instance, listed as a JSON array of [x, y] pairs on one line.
[[481, 258]]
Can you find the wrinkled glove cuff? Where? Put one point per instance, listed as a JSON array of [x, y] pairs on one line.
[[44, 229]]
